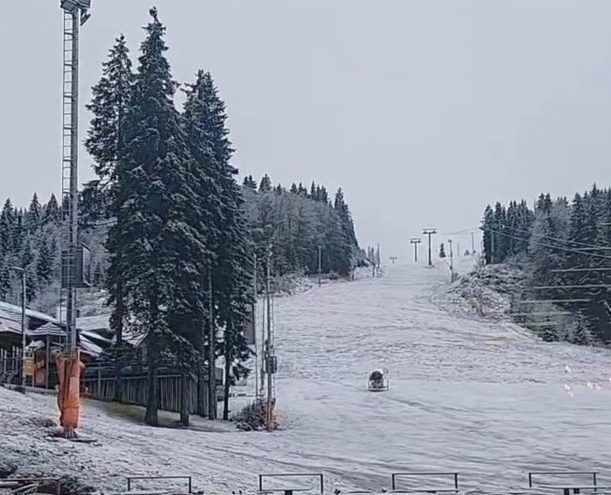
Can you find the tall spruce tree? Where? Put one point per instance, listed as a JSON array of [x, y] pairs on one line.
[[488, 233], [231, 265], [152, 243], [109, 104], [250, 183], [44, 262], [8, 226], [51, 211], [111, 98], [265, 185], [34, 215], [345, 217]]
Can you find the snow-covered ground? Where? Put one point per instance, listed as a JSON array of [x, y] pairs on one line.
[[478, 396]]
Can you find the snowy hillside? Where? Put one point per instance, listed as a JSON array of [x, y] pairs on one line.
[[481, 290], [469, 394]]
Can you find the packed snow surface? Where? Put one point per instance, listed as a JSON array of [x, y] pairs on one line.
[[478, 396]]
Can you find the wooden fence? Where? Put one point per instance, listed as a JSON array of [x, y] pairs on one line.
[[135, 390], [99, 382], [10, 365]]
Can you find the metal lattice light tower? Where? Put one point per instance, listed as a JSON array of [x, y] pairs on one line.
[[75, 15]]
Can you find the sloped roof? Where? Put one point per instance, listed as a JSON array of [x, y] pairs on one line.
[[89, 347], [13, 312], [97, 322], [50, 329]]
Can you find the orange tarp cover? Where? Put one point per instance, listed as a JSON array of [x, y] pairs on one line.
[[69, 370]]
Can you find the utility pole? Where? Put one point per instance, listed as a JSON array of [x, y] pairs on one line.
[[319, 265], [268, 343], [270, 358], [254, 325], [472, 242], [429, 233], [415, 241]]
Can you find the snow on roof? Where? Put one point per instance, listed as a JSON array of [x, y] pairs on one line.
[[94, 336], [89, 347], [50, 329], [97, 322], [13, 312], [8, 325]]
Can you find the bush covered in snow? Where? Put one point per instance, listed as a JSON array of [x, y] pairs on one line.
[[251, 418]]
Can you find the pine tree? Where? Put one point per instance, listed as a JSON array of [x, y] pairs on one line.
[[488, 233], [28, 263], [34, 216], [343, 211], [324, 195], [8, 226], [109, 105], [250, 183], [313, 191], [502, 236], [51, 211], [111, 99], [265, 185], [152, 243], [44, 262], [231, 264]]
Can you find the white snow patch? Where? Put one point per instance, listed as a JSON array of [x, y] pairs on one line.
[[466, 394]]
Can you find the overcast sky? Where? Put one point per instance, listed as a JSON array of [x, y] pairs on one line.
[[423, 111]]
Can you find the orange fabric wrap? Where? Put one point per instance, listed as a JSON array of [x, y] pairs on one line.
[[68, 398]]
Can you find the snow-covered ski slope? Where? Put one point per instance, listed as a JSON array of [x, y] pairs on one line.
[[480, 397]]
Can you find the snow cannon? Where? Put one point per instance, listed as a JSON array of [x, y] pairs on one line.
[[378, 381]]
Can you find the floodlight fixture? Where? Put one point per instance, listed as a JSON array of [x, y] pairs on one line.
[[70, 5]]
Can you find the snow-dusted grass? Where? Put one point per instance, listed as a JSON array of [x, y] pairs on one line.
[[466, 393], [483, 291]]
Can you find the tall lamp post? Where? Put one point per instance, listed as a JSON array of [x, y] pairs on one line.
[[76, 13], [21, 271]]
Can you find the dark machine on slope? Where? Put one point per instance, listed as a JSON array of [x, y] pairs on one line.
[[378, 381]]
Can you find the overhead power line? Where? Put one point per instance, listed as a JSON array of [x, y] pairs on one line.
[[551, 246], [558, 239]]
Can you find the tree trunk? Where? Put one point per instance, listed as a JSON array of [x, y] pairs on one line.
[[212, 401], [152, 403], [202, 405], [202, 392], [227, 383], [184, 399], [119, 364]]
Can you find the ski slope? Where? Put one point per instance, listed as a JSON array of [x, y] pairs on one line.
[[466, 394]]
